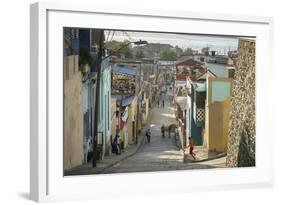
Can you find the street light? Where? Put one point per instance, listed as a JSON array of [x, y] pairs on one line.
[[100, 59]]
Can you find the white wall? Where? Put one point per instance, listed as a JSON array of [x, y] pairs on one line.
[[14, 104]]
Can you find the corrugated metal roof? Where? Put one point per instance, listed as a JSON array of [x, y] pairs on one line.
[[124, 100], [127, 101], [125, 70]]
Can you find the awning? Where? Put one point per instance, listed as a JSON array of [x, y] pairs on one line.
[[200, 87], [182, 102]]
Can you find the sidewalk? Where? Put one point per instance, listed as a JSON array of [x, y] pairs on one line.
[[108, 161], [202, 154]]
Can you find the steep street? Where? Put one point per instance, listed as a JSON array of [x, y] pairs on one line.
[[161, 154]]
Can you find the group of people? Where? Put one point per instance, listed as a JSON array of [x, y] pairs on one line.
[[191, 143], [162, 102]]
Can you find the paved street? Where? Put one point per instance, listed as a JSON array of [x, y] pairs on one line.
[[160, 154]]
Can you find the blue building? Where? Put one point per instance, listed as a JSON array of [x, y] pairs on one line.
[[89, 97], [195, 111], [71, 41]]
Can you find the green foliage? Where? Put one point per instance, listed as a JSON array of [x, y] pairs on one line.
[[85, 57], [95, 34], [139, 54], [178, 50], [168, 55], [115, 45]]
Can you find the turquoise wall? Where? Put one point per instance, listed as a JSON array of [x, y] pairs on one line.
[[105, 114], [220, 90]]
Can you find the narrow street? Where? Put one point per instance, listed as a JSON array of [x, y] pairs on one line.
[[122, 87], [161, 154]]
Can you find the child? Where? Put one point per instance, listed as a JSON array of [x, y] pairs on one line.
[[191, 147]]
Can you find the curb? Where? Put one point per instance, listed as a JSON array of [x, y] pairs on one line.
[[122, 159], [206, 159], [128, 155]]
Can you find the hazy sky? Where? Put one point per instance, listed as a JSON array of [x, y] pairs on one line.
[[221, 44]]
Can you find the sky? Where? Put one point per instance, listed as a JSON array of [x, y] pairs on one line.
[[197, 42]]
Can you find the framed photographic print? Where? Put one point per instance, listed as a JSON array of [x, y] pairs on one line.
[[122, 97]]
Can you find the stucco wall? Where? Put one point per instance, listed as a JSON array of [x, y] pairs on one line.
[[217, 114], [242, 131], [105, 109], [132, 116], [218, 121], [114, 119], [73, 114]]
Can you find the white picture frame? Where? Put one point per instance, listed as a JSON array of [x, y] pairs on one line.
[[47, 182]]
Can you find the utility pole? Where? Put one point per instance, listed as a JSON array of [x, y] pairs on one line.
[[97, 100], [138, 104]]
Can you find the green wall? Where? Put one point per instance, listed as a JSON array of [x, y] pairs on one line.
[[220, 90]]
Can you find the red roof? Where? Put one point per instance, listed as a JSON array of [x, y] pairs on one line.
[[181, 76], [190, 62]]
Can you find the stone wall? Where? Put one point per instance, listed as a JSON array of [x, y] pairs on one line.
[[242, 131]]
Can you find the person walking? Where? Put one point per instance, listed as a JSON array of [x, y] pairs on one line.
[[115, 145], [148, 135], [158, 102], [191, 147], [163, 103], [119, 142], [163, 131]]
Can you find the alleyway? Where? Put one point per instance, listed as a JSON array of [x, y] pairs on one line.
[[161, 154]]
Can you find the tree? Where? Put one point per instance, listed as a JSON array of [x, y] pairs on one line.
[[115, 45], [168, 55], [139, 54], [85, 57], [179, 51]]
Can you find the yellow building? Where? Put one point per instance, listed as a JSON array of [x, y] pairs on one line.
[[131, 124], [217, 113], [73, 154]]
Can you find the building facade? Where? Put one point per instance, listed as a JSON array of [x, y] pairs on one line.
[[217, 113]]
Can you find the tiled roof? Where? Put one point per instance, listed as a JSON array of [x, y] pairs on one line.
[[206, 74], [190, 62], [181, 76]]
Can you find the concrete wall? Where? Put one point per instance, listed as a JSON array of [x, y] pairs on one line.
[[242, 128], [146, 109], [73, 114], [131, 117]]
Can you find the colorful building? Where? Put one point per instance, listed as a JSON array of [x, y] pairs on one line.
[[195, 111], [124, 89], [217, 113], [87, 51]]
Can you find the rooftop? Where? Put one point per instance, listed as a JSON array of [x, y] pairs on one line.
[[125, 70], [190, 62]]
